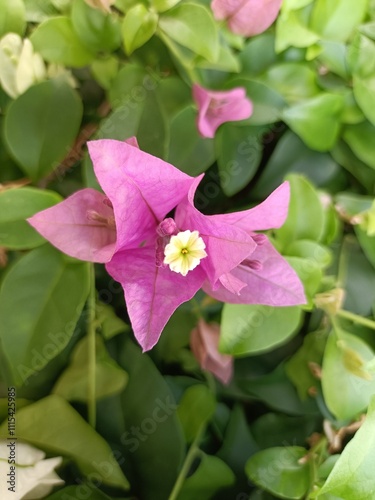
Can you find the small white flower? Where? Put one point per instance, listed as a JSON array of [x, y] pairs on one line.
[[184, 252], [34, 476]]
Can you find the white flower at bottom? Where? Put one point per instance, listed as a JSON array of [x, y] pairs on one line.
[[184, 252], [34, 476]]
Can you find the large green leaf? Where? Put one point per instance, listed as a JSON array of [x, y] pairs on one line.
[[306, 215], [138, 27], [56, 40], [212, 475], [360, 139], [279, 471], [188, 151], [336, 19], [12, 18], [96, 30], [250, 329], [347, 386], [192, 25], [352, 476], [239, 152], [195, 409], [74, 382], [316, 120], [16, 205], [41, 298], [41, 125], [53, 425], [153, 436]]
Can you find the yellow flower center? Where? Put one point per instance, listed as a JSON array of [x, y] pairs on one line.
[[184, 252]]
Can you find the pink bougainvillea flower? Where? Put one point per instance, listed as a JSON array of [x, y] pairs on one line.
[[162, 261], [204, 342], [246, 17], [217, 107]]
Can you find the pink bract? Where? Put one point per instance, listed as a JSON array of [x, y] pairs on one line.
[[127, 228], [246, 17], [218, 107]]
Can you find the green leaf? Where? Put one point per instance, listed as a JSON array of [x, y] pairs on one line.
[[279, 471], [268, 104], [352, 476], [211, 476], [292, 30], [258, 54], [73, 384], [138, 27], [360, 139], [310, 250], [142, 117], [297, 367], [12, 18], [111, 325], [316, 120], [56, 40], [251, 329], [16, 205], [304, 206], [41, 298], [153, 434], [72, 492], [105, 70], [41, 125], [162, 5], [239, 152], [364, 93], [336, 19], [195, 410], [96, 30], [188, 151], [192, 25], [347, 387], [294, 81], [367, 244], [310, 273], [52, 424]]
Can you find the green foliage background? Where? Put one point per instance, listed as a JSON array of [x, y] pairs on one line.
[[304, 376]]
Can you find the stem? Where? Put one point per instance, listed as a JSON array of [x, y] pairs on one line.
[[191, 455], [357, 319], [91, 338]]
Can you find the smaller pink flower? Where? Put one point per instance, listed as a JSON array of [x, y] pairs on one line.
[[204, 342], [217, 107], [246, 17]]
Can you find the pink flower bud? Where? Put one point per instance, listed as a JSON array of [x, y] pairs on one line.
[[204, 342]]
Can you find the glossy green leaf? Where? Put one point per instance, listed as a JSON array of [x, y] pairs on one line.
[[347, 386], [334, 57], [211, 476], [188, 151], [163, 5], [304, 206], [279, 471], [52, 424], [195, 410], [250, 329], [364, 92], [16, 205], [316, 120], [41, 298], [292, 30], [267, 103], [12, 17], [96, 30], [344, 156], [360, 139], [258, 54], [192, 25], [153, 434], [308, 249], [138, 27], [352, 476], [56, 40], [142, 117], [336, 19], [73, 383], [294, 81], [310, 273], [239, 152], [41, 125]]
